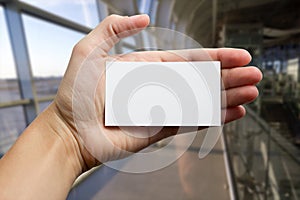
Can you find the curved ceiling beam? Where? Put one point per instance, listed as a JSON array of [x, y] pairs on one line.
[[271, 32]]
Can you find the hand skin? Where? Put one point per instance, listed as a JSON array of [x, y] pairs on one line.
[[49, 155]]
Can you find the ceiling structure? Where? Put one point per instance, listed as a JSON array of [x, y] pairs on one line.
[[204, 19]]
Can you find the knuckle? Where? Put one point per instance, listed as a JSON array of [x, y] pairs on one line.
[[112, 17], [80, 49], [77, 48]]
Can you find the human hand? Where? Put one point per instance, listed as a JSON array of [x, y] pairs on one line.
[[81, 96]]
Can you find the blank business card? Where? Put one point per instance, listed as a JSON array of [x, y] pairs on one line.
[[163, 94]]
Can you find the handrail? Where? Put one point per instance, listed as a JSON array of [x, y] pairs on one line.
[[285, 149], [263, 124]]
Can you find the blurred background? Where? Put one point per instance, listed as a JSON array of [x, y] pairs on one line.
[[257, 157]]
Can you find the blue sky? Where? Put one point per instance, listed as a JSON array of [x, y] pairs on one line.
[[49, 45]]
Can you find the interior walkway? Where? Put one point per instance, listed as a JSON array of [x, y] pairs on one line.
[[187, 178]]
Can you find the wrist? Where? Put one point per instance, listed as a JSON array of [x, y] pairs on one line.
[[65, 138], [44, 161], [63, 126]]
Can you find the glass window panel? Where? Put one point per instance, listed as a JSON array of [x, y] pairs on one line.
[[9, 89], [49, 47], [12, 123], [47, 86], [80, 11]]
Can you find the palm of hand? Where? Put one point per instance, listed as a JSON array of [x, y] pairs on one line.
[[80, 99]]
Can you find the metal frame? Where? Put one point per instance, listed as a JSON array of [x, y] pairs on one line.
[[21, 57], [13, 10], [47, 16]]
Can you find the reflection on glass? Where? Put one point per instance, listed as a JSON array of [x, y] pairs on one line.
[[49, 47], [12, 123], [9, 89], [80, 11]]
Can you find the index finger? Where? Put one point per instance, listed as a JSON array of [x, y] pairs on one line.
[[228, 57]]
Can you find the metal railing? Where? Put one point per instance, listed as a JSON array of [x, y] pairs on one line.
[[265, 165]]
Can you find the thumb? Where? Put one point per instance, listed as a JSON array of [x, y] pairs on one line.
[[112, 29]]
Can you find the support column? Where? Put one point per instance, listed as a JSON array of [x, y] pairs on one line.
[[21, 58]]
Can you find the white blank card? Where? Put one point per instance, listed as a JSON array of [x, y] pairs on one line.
[[163, 94]]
